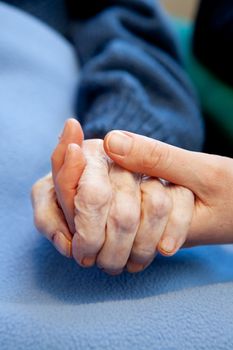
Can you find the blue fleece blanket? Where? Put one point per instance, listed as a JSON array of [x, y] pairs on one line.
[[47, 301]]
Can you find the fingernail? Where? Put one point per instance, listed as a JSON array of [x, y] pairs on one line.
[[168, 245], [119, 143], [88, 261], [62, 244], [134, 267]]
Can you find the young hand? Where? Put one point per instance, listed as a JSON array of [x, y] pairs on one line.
[[209, 177]]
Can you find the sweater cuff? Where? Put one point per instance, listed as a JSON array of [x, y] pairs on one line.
[[131, 111], [119, 111]]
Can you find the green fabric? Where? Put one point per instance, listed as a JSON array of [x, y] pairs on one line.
[[216, 97]]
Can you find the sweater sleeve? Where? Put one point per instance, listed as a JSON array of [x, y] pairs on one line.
[[213, 37], [132, 77]]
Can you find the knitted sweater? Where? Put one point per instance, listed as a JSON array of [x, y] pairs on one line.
[[132, 77]]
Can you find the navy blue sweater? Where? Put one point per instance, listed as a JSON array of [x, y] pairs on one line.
[[131, 76]]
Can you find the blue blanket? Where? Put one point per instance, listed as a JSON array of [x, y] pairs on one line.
[[46, 300]]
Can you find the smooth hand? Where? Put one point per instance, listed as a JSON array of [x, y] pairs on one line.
[[209, 177]]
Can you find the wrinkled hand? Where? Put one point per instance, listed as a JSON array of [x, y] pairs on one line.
[[118, 220], [68, 165], [107, 203], [107, 211]]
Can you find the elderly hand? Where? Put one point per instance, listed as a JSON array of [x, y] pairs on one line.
[[118, 222], [209, 177], [68, 165], [107, 211], [107, 203], [132, 217]]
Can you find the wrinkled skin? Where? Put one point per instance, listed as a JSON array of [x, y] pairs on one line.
[[101, 213]]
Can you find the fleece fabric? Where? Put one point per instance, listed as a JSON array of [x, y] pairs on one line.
[[47, 301]]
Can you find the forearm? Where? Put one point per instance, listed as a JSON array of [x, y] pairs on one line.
[[132, 78]]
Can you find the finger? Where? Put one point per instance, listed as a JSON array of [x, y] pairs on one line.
[[72, 133], [48, 217], [179, 222], [67, 176], [123, 220], [67, 181], [91, 204], [141, 154], [156, 207]]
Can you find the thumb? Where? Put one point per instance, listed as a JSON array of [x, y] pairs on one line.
[[154, 158]]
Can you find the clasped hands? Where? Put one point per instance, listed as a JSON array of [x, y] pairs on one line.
[[100, 213]]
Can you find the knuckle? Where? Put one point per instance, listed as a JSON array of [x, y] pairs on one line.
[[37, 186], [89, 243], [44, 182], [44, 223], [184, 201], [154, 156], [93, 196], [159, 204], [125, 219], [141, 254], [179, 223], [42, 188]]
